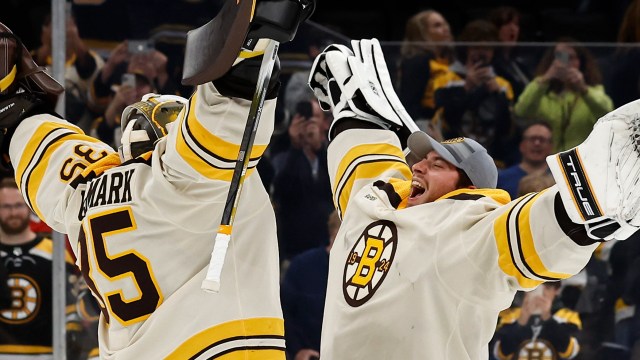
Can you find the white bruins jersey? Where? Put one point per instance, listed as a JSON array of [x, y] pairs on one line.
[[428, 281], [143, 231]]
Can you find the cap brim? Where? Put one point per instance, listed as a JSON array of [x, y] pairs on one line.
[[420, 144]]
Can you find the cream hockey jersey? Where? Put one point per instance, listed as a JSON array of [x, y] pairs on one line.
[[428, 281], [143, 231]]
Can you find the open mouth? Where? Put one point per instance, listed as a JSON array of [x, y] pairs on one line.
[[416, 189]]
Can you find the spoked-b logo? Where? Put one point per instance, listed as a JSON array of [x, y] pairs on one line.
[[369, 261]]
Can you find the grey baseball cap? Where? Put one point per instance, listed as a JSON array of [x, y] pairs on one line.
[[464, 153]]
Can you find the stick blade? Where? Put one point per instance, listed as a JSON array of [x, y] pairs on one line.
[[212, 48]]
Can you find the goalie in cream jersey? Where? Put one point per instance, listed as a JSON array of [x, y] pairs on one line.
[[142, 221], [429, 252]]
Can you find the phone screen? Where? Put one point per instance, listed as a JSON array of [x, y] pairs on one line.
[[138, 46], [129, 80], [562, 56]]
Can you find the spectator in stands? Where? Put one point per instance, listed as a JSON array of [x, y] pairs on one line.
[[534, 182], [424, 55], [567, 92], [297, 93], [26, 326], [301, 191], [473, 101], [297, 88], [624, 290], [625, 77], [507, 61], [107, 127], [535, 145], [542, 325], [82, 66], [126, 57], [303, 294]]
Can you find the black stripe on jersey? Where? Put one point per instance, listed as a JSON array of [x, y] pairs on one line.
[[513, 259], [347, 176], [30, 167], [464, 196], [394, 197], [203, 148], [576, 232], [248, 348], [240, 348], [518, 239], [232, 164], [138, 160]]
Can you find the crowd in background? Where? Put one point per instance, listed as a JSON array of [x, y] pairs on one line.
[[522, 103]]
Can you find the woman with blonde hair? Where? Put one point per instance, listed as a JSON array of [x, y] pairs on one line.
[[425, 53]]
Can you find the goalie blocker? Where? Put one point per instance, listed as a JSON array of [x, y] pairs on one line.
[[213, 48], [598, 180]]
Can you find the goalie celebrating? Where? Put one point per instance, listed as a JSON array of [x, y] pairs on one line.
[[428, 254], [142, 221]]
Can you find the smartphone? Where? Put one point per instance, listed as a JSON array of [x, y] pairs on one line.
[[128, 79], [562, 56], [139, 46], [481, 60], [304, 109]]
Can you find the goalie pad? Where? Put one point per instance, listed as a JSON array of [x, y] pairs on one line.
[[598, 180], [356, 84]]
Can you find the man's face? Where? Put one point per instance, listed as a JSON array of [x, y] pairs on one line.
[[536, 144], [433, 177], [14, 212]]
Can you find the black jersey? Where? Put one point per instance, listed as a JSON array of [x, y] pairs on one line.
[[26, 326]]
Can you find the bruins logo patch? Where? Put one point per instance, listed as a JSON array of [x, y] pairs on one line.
[[369, 262], [26, 297], [536, 350]]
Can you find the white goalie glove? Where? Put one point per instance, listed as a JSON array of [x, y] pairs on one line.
[[356, 84], [599, 180]]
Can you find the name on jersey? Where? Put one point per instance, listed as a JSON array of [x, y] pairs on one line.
[[108, 189]]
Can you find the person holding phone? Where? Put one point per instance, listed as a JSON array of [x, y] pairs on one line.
[[131, 56], [300, 189], [541, 325], [567, 92], [472, 101], [81, 67]]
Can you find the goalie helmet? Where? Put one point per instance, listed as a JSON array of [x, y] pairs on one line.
[[24, 86], [147, 121]]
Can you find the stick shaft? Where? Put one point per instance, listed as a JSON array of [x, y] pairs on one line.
[[223, 237], [257, 103]]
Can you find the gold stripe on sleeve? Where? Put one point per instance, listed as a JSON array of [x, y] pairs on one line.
[[238, 330], [36, 141], [505, 253], [203, 167], [369, 170], [37, 175], [529, 253], [570, 348], [369, 149]]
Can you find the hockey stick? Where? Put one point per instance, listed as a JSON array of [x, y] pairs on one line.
[[211, 283]]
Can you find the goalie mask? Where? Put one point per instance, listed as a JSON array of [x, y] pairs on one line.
[[147, 121]]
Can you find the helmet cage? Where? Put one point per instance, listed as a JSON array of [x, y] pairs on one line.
[[145, 122]]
